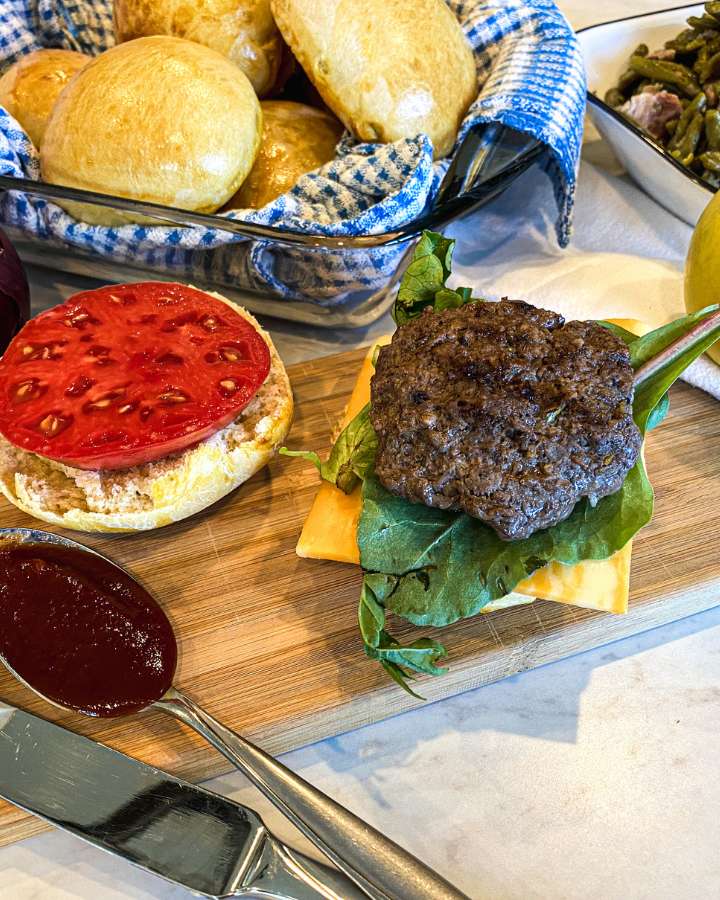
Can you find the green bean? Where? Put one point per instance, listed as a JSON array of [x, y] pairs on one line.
[[686, 161], [661, 70], [712, 129], [685, 151], [627, 80], [701, 23], [693, 75], [693, 134], [686, 42], [708, 68], [711, 160], [697, 107], [689, 34], [614, 98]]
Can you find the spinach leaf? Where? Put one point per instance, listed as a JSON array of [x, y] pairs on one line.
[[644, 348], [649, 394], [351, 457], [433, 567], [658, 413], [397, 660], [423, 283], [619, 331], [651, 403]]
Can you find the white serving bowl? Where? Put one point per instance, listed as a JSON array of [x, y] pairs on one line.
[[607, 48]]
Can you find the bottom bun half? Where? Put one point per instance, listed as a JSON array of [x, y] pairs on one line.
[[161, 492]]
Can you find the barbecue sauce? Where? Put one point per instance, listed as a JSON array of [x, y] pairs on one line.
[[82, 632]]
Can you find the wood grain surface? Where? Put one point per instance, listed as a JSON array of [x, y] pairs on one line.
[[269, 642]]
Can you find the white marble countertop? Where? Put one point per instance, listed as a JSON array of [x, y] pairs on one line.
[[591, 778]]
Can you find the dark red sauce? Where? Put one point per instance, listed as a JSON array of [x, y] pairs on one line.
[[82, 632]]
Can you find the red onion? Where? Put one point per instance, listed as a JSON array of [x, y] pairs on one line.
[[14, 293]]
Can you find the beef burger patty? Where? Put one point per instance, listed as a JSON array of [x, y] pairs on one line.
[[504, 411]]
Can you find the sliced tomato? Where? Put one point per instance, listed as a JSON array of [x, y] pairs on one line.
[[127, 374]]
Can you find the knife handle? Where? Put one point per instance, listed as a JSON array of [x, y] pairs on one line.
[[379, 866]]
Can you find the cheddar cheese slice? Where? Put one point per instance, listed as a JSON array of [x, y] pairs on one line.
[[330, 532]]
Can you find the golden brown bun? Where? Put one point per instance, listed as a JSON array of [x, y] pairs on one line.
[[295, 140], [161, 492], [388, 69], [158, 119], [30, 87], [242, 30]]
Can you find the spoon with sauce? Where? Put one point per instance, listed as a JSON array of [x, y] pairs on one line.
[[85, 635]]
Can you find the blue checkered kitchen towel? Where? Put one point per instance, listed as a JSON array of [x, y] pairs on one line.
[[530, 77]]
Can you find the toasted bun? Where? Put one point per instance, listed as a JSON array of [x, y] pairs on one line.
[[295, 140], [388, 69], [161, 492], [242, 30], [157, 119], [30, 87]]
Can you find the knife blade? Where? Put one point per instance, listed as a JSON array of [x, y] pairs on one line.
[[183, 833]]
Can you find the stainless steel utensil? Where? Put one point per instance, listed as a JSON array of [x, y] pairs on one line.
[[187, 835], [380, 867]]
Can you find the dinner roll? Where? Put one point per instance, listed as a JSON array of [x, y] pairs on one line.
[[30, 87], [295, 140], [388, 69], [157, 119], [242, 30], [161, 492]]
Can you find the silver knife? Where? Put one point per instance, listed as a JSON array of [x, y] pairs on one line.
[[189, 836]]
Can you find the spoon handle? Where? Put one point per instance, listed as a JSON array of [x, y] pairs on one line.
[[380, 867]]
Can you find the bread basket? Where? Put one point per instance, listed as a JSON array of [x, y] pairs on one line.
[[290, 269]]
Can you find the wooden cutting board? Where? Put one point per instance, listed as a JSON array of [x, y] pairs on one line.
[[269, 642]]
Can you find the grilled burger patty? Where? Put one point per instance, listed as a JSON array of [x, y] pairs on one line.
[[504, 411]]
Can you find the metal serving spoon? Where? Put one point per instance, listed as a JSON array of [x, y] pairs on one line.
[[382, 869]]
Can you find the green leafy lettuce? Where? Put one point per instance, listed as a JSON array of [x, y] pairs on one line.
[[433, 567], [351, 458], [397, 660], [423, 283], [649, 394]]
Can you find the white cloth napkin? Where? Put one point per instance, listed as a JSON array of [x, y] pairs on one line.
[[625, 260]]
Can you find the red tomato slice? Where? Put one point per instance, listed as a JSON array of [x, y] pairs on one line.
[[127, 374]]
